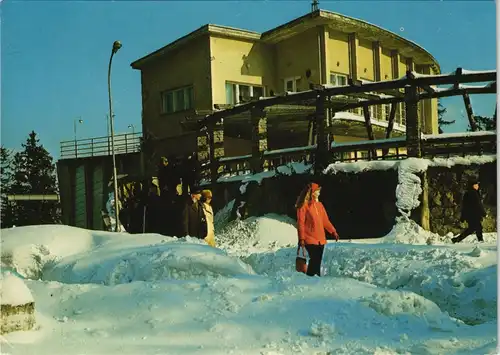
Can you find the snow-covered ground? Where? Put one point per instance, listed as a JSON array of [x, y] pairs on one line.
[[108, 293]]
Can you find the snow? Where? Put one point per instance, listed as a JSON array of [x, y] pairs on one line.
[[354, 117], [288, 169], [459, 134], [417, 164], [13, 290], [409, 292]]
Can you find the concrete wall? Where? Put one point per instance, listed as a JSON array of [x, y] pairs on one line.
[[83, 186], [337, 53], [296, 55], [242, 62], [189, 65]]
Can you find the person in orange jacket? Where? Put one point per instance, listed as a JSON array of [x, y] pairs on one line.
[[312, 220]]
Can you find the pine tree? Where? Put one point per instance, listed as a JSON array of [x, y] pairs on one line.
[[485, 123], [6, 183], [441, 121], [34, 173]]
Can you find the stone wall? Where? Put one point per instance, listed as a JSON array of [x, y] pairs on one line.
[[446, 188], [359, 205], [363, 204]]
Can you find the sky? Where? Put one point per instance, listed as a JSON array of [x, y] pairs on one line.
[[54, 55]]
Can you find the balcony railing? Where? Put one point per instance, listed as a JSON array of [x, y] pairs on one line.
[[98, 146]]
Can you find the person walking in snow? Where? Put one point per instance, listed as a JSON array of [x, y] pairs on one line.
[[312, 220], [206, 198], [472, 211], [193, 218]]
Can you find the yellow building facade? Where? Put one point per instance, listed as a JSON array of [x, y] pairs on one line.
[[182, 81]]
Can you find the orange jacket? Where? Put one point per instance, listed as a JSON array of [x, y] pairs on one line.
[[312, 220]]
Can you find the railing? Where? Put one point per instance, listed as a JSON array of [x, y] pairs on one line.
[[98, 146], [444, 145], [454, 144]]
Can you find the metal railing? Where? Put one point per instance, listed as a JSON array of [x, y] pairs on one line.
[[98, 146]]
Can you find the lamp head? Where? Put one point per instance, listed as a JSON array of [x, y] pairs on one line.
[[116, 46]]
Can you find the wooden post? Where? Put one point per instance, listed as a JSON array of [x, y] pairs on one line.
[[259, 137], [424, 208], [470, 113], [390, 125], [413, 128], [216, 148], [369, 129], [377, 51], [322, 142]]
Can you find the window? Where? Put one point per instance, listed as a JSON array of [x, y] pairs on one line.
[[178, 100], [338, 79], [292, 84], [236, 93]]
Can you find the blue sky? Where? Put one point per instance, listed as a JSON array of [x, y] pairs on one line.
[[55, 54]]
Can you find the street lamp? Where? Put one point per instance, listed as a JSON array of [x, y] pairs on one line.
[[79, 120], [116, 46], [133, 128]]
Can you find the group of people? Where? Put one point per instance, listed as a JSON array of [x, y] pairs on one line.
[[313, 221]]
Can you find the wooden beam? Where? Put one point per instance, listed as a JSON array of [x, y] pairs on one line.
[[458, 74], [258, 121], [392, 116], [427, 88], [470, 113], [368, 123], [322, 142], [390, 125], [371, 87], [413, 128]]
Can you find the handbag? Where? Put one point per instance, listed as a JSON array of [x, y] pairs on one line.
[[301, 261]]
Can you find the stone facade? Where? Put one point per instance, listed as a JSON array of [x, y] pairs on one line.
[[446, 189]]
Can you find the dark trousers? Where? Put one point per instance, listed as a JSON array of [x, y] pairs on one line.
[[472, 226], [315, 256]]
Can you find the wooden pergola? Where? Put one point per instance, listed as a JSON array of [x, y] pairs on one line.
[[410, 89]]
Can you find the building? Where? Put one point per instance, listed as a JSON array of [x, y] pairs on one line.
[[217, 65]]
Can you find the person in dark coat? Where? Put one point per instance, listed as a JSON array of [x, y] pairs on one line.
[[193, 217], [472, 211]]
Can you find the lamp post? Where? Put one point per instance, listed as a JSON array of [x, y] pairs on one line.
[[79, 120], [133, 128], [116, 46]]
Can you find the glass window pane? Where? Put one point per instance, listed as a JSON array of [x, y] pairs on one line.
[[230, 94], [258, 91], [168, 102], [342, 80], [244, 92], [188, 98], [333, 79], [297, 85], [289, 85], [179, 100]]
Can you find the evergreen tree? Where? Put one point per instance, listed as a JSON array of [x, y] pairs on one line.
[[485, 123], [34, 173], [6, 183], [441, 121]]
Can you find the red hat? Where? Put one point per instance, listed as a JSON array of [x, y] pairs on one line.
[[315, 187]]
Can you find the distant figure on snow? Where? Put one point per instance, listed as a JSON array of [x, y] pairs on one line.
[[193, 217], [312, 220], [206, 198], [472, 211]]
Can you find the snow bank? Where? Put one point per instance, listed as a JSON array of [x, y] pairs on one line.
[[361, 166], [13, 290], [256, 234], [128, 260], [408, 231], [28, 249], [441, 274]]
